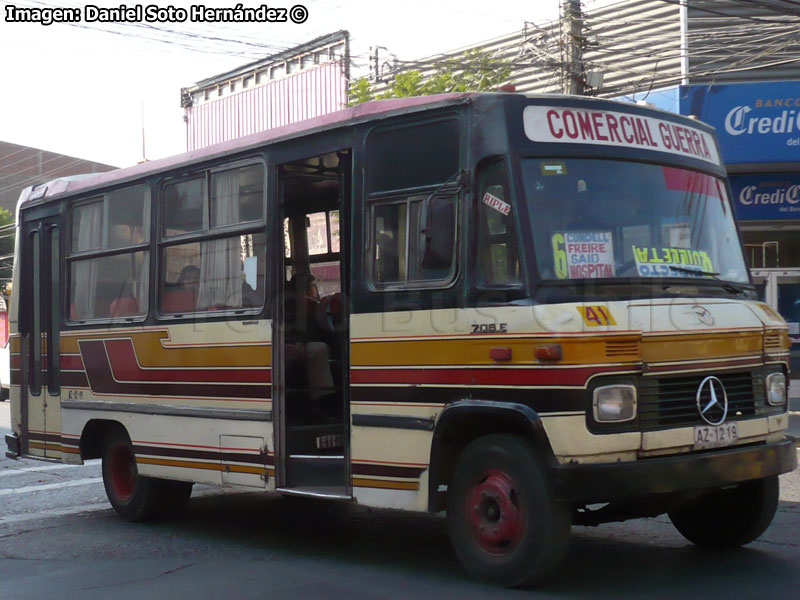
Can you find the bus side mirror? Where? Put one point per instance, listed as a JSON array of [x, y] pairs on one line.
[[437, 232]]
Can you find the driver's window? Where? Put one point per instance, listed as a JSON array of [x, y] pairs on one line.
[[498, 256]]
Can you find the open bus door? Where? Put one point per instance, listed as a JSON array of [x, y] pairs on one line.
[[310, 329], [41, 283]]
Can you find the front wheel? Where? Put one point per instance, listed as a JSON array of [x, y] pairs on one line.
[[731, 517], [505, 523]]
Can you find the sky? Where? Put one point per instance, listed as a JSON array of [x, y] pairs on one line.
[[79, 91]]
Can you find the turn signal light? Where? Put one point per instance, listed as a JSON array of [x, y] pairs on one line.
[[548, 352], [500, 353]]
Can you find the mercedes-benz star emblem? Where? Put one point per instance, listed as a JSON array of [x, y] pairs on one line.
[[703, 315], [712, 401]]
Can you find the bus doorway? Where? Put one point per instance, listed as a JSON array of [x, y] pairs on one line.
[[40, 393], [310, 349]]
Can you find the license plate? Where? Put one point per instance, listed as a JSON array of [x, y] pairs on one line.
[[715, 436]]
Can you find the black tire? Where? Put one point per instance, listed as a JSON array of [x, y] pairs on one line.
[[137, 498], [506, 525], [3, 394], [175, 497], [729, 518]]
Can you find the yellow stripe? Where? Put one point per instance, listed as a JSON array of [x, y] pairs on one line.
[[46, 446], [151, 351], [654, 348], [703, 346], [186, 464], [475, 351]]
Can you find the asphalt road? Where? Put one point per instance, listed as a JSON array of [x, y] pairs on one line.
[[60, 539]]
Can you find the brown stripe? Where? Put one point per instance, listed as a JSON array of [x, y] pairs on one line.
[[386, 485], [210, 454], [45, 437], [387, 470]]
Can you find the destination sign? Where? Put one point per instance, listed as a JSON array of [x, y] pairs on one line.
[[558, 124]]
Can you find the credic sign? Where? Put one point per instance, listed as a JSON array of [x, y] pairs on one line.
[[558, 124], [755, 122], [766, 197]]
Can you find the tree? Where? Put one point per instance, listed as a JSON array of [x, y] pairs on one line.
[[6, 246], [474, 71]]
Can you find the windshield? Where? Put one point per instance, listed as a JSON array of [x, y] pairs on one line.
[[614, 219]]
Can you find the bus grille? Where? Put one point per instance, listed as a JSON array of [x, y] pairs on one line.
[[772, 342], [672, 401]]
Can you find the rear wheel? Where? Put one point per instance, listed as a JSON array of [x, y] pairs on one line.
[[730, 517], [134, 497], [505, 523]]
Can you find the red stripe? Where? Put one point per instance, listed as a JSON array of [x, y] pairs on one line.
[[126, 368], [480, 377], [72, 363]]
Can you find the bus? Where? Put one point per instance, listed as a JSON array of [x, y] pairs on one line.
[[524, 312]]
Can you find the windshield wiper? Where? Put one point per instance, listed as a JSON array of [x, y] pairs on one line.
[[693, 271], [737, 288]]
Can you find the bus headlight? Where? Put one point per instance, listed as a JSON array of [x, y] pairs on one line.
[[776, 389], [614, 403]]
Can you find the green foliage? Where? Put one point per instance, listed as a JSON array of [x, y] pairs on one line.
[[405, 85], [360, 91], [474, 71]]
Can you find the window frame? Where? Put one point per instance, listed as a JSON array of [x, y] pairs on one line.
[[404, 197], [161, 241], [73, 256], [376, 197], [477, 277]]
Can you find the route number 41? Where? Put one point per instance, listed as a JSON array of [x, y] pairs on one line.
[[596, 316]]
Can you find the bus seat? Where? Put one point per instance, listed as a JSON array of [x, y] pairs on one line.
[[179, 301], [125, 306], [336, 310]]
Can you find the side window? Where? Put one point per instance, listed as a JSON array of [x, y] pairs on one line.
[[414, 240], [210, 271], [412, 205], [498, 262], [108, 260]]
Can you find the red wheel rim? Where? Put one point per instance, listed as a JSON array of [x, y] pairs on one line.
[[494, 512], [123, 471]]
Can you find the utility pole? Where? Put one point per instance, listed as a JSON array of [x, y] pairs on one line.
[[572, 76]]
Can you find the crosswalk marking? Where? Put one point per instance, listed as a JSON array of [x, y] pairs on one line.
[[50, 486], [7, 472]]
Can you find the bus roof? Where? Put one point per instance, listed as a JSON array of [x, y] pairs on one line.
[[348, 116], [369, 111]]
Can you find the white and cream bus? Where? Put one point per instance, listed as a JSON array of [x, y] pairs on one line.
[[524, 311]]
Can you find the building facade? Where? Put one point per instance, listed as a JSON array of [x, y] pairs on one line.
[[306, 81], [21, 166]]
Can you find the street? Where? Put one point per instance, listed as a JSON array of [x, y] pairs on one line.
[[59, 537]]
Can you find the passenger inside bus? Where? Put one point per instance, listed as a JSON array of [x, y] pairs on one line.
[[307, 354], [126, 305], [183, 298]]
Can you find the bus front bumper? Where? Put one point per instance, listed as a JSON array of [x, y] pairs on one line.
[[607, 482]]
